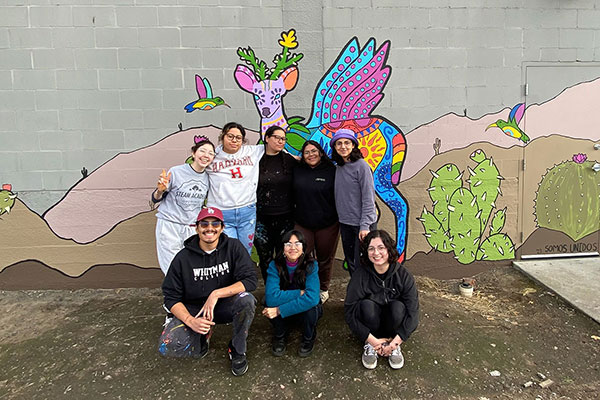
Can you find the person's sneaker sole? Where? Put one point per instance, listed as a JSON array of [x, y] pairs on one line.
[[239, 373], [369, 366], [395, 366]]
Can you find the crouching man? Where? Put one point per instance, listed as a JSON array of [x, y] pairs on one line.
[[208, 283]]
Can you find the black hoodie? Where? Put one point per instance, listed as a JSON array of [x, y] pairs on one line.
[[314, 194], [399, 284], [194, 274]]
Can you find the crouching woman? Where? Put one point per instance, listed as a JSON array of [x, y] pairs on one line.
[[292, 294], [382, 304]]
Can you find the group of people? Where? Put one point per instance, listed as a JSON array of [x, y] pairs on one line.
[[293, 210]]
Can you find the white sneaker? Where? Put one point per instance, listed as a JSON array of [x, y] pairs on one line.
[[396, 359], [369, 357], [324, 295]]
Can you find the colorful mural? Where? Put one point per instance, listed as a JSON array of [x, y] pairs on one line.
[[206, 101], [461, 214], [568, 198], [345, 97], [479, 202]]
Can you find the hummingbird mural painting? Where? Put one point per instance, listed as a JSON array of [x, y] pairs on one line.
[[511, 127], [205, 101]]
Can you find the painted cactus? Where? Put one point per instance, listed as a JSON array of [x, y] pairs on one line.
[[7, 199], [461, 214], [568, 198]]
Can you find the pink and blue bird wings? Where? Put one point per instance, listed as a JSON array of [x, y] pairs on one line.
[[516, 114], [353, 87], [203, 88]]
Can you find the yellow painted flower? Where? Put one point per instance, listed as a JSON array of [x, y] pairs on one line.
[[289, 39]]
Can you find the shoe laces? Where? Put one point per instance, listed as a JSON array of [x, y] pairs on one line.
[[397, 351], [370, 350]]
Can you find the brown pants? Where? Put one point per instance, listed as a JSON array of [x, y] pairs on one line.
[[326, 240]]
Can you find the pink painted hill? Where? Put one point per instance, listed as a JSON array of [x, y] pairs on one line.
[[121, 188], [573, 113]]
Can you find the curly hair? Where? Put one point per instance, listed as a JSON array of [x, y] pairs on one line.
[[388, 242], [304, 263]]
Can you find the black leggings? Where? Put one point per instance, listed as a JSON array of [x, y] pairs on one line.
[[383, 321]]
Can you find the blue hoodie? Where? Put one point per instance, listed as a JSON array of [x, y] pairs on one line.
[[290, 302]]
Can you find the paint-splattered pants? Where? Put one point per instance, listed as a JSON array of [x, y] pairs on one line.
[[178, 340]]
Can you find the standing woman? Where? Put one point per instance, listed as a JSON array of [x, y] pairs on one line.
[[292, 294], [181, 194], [354, 194], [315, 214], [275, 200], [382, 303], [233, 179]]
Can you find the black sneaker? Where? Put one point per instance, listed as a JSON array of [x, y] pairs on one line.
[[306, 346], [278, 348], [239, 364]]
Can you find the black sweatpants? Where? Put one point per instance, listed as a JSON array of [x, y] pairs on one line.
[[383, 321]]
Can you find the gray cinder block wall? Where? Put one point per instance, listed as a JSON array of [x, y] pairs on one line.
[[82, 80]]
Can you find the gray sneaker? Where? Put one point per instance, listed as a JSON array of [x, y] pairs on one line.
[[369, 357], [396, 359]]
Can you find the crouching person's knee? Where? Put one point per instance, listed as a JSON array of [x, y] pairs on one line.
[[245, 303], [178, 340]]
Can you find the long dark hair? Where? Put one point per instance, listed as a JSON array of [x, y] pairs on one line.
[[304, 263], [324, 158], [388, 242], [355, 154]]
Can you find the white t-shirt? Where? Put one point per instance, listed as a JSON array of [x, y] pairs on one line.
[[187, 191], [234, 177]]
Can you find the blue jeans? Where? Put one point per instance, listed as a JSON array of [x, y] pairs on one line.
[[240, 223]]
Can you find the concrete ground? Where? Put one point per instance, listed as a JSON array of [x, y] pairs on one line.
[[576, 280], [508, 341]]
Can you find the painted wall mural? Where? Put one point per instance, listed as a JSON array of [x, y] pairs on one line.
[[345, 97], [475, 203]]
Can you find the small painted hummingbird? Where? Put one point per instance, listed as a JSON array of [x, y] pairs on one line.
[[511, 127], [205, 101]]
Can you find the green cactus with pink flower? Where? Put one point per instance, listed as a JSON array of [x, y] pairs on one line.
[[568, 198], [460, 215]]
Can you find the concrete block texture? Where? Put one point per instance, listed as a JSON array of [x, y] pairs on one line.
[[14, 16], [29, 38], [96, 16], [113, 75], [54, 15]]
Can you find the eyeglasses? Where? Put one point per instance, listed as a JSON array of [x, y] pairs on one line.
[[287, 245], [380, 249], [280, 139], [309, 152], [234, 138], [205, 224], [343, 143]]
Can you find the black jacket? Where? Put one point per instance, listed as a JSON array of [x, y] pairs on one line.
[[194, 274], [399, 284], [314, 194]]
